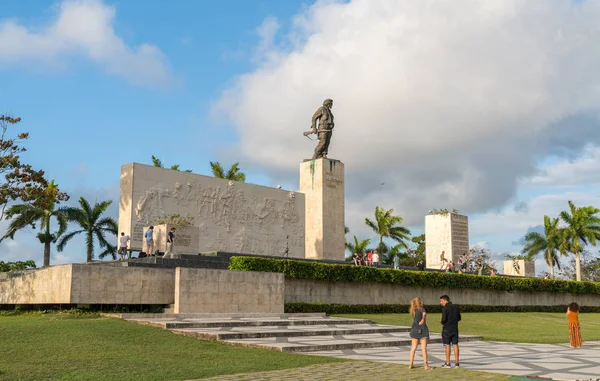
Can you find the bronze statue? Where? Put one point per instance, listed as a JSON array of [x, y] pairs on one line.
[[325, 118]]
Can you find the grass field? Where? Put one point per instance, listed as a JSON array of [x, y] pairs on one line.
[[521, 327], [60, 346]]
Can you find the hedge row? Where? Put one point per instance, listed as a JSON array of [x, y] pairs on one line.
[[348, 273], [403, 308]]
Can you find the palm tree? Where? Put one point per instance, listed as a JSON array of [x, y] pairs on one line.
[[41, 210], [389, 226], [94, 226], [582, 228], [391, 253], [159, 164], [547, 244], [358, 246], [233, 173]]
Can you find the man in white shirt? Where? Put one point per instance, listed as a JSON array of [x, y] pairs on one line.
[[123, 245], [376, 259]]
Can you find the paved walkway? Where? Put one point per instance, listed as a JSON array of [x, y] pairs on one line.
[[362, 371], [558, 362]]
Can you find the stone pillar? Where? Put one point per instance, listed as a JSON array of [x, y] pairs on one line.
[[445, 232], [322, 182]]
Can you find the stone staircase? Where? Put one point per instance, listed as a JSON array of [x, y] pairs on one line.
[[284, 332]]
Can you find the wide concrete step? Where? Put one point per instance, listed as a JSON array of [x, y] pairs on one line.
[[216, 316], [237, 333], [334, 342], [256, 323]]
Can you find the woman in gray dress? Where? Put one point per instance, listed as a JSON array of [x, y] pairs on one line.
[[419, 332]]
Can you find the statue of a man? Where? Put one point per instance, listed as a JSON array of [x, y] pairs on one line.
[[325, 118]]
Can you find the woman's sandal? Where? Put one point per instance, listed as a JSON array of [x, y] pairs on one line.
[[427, 368]]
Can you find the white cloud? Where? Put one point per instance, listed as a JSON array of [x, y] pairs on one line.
[[450, 103], [580, 171], [514, 222], [83, 27]]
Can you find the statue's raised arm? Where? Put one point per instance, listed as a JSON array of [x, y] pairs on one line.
[[324, 118]]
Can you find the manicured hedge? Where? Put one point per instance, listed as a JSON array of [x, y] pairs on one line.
[[349, 273], [403, 309]]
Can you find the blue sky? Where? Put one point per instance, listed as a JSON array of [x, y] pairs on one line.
[[472, 113]]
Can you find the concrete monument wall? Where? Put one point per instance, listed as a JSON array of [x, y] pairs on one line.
[[448, 233], [322, 182], [221, 291], [231, 216], [524, 268]]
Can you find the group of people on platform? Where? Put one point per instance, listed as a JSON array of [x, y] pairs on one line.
[[419, 331], [370, 258], [149, 238]]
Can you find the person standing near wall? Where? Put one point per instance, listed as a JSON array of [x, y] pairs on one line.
[[149, 241], [397, 261], [574, 328], [170, 242], [375, 259], [450, 318], [123, 240]]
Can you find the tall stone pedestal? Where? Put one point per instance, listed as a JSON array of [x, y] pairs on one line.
[[322, 182], [445, 232]]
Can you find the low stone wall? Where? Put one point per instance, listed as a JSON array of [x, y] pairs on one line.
[[206, 290], [98, 284], [313, 291], [46, 286], [90, 284]]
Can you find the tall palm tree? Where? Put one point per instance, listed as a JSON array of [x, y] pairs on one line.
[[42, 211], [582, 228], [358, 246], [94, 226], [547, 244], [389, 226], [233, 173]]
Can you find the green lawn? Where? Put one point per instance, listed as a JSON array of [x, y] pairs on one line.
[[522, 327], [62, 347]]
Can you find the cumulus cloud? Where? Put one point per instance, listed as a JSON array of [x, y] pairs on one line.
[[510, 222], [83, 28], [579, 171], [450, 103]]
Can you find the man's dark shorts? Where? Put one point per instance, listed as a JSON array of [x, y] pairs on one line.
[[449, 338]]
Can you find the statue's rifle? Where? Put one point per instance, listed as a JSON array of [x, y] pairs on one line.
[[310, 132]]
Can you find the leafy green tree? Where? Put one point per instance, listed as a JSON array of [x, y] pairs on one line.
[[589, 265], [18, 181], [389, 226], [358, 246], [547, 244], [43, 211], [233, 173], [19, 265], [159, 164], [582, 228], [481, 257], [93, 225]]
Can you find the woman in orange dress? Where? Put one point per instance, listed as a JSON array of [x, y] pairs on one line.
[[574, 329]]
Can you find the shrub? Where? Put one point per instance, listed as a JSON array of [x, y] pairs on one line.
[[403, 308], [348, 273]]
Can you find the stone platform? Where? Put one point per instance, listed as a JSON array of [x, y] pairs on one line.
[[285, 332]]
